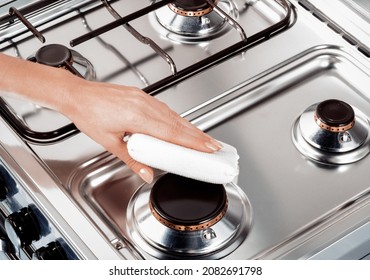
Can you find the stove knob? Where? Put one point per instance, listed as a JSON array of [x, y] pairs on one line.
[[22, 227], [3, 188], [53, 251], [6, 248]]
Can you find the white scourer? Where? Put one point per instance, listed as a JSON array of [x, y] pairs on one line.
[[220, 167]]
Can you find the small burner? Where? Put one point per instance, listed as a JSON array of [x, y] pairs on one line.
[[185, 204], [333, 132], [191, 8], [335, 115], [193, 21], [54, 55]]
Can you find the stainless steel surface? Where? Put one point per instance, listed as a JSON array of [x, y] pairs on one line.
[[144, 40], [57, 10], [361, 6], [354, 245], [299, 194], [252, 100], [350, 18], [287, 199]]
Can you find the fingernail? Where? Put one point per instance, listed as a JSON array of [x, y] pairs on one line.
[[213, 145], [216, 143], [146, 175]]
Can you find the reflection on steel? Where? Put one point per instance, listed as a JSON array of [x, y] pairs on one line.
[[26, 10], [229, 19], [195, 29], [118, 23], [70, 67], [116, 52], [14, 11], [143, 39]]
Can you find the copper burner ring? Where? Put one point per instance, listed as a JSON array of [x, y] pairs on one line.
[[200, 226], [333, 128], [196, 13]]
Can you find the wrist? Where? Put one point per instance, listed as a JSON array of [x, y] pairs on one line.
[[68, 95], [49, 87]]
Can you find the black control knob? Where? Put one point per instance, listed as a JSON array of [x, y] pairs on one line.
[[22, 227], [53, 251], [3, 188]]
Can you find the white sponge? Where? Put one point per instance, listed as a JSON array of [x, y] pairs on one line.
[[220, 167]]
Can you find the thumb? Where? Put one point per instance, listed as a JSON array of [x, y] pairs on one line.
[[120, 150], [145, 172]]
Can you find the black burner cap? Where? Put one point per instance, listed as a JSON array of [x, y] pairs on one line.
[[187, 202], [53, 55], [191, 5], [335, 113]]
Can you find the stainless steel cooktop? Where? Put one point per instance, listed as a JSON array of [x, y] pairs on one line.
[[294, 202], [290, 195]]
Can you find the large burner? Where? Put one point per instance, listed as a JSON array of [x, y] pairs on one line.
[[332, 132], [193, 21], [56, 55], [180, 217], [184, 204]]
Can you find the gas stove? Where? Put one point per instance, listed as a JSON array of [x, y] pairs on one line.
[[279, 80]]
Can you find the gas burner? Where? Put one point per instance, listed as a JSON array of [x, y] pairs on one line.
[[191, 8], [332, 132], [193, 21], [184, 204], [177, 215], [334, 115], [56, 55]]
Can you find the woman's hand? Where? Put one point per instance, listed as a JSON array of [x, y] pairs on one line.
[[106, 112]]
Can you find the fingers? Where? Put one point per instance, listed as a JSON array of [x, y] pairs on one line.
[[181, 132], [119, 149], [145, 172], [178, 133], [163, 123]]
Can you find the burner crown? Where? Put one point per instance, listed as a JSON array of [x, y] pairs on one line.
[[335, 115], [192, 8], [53, 55], [186, 204]]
